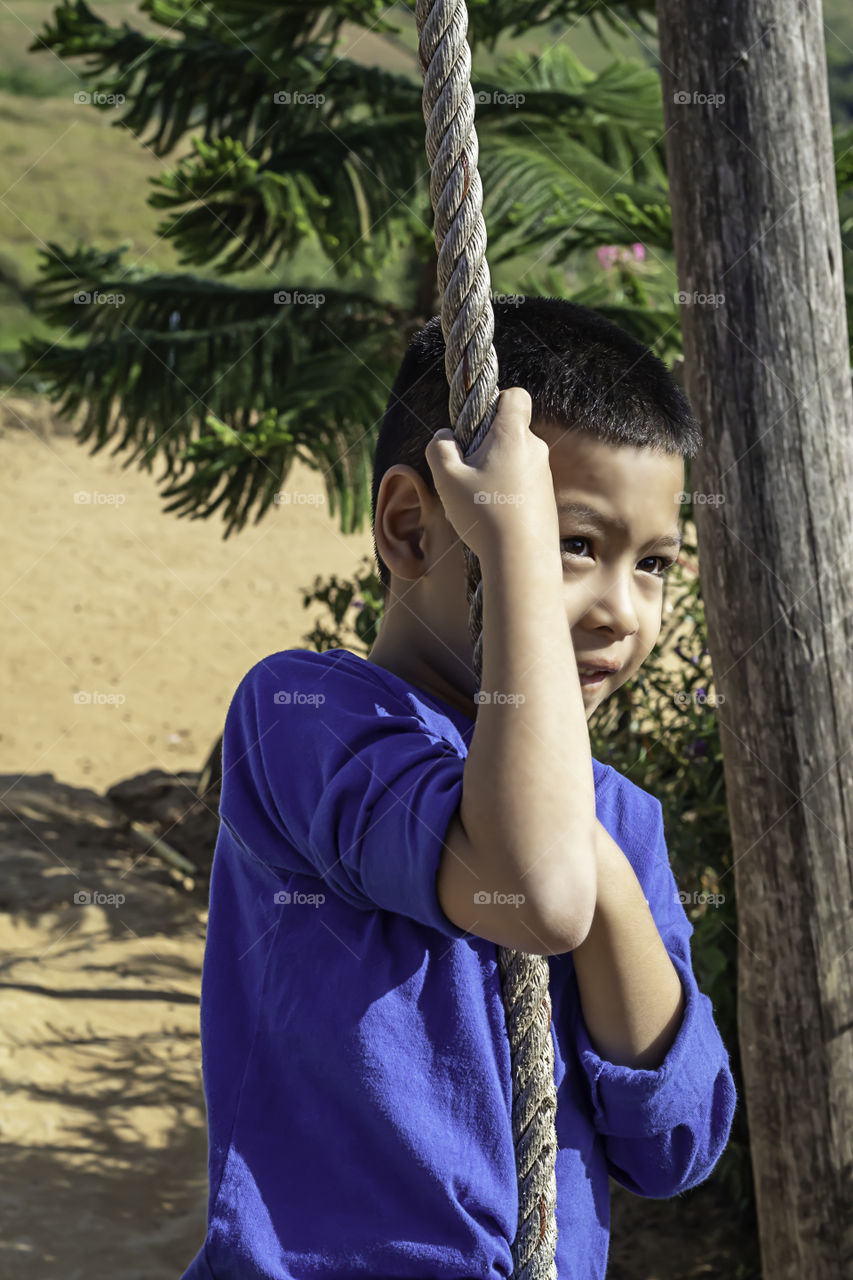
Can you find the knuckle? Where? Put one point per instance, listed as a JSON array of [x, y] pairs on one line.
[[515, 406]]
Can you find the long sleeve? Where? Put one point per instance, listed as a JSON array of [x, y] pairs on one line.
[[356, 1063], [326, 777], [665, 1129]]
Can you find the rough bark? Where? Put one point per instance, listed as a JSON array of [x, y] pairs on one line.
[[767, 371]]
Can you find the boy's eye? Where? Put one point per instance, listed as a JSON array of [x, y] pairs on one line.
[[666, 562], [563, 542]]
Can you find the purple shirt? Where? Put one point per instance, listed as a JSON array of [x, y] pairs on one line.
[[354, 1045]]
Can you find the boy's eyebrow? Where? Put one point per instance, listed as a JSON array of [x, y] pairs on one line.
[[579, 510]]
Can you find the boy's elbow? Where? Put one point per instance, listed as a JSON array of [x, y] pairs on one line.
[[568, 917], [518, 912]]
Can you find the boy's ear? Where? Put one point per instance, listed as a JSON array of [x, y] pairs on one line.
[[400, 520]]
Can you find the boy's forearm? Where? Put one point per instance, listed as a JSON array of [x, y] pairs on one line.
[[631, 994], [528, 793]]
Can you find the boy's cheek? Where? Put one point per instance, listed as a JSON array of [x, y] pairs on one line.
[[622, 678]]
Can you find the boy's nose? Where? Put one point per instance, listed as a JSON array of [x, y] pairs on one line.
[[611, 604]]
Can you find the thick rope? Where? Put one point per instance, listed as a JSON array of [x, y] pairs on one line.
[[467, 322]]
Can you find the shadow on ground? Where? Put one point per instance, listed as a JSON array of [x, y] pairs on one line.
[[104, 1152], [102, 1112]]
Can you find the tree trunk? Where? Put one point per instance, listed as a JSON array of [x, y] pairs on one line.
[[767, 370]]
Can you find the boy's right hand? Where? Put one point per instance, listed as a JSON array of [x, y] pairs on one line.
[[504, 491]]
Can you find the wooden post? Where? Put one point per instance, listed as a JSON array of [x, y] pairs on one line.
[[767, 370]]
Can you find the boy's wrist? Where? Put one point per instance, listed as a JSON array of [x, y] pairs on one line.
[[528, 553]]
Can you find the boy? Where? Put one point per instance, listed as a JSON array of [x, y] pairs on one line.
[[378, 839]]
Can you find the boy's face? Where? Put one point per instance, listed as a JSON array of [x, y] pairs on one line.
[[612, 583]]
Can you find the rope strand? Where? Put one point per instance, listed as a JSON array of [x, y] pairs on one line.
[[471, 366]]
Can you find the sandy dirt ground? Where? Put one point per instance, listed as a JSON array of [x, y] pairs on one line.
[[102, 1117], [112, 599], [102, 1113]]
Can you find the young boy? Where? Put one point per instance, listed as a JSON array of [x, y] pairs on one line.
[[381, 833]]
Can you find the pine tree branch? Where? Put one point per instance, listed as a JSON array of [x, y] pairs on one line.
[[223, 384], [223, 76], [351, 184], [171, 351], [351, 188], [488, 20]]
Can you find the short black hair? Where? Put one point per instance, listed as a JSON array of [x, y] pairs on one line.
[[580, 369]]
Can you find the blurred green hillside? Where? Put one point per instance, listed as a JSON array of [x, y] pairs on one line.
[[70, 173]]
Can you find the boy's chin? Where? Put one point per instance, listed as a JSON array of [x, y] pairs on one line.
[[593, 699]]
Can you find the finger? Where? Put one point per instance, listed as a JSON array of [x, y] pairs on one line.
[[515, 409], [445, 444]]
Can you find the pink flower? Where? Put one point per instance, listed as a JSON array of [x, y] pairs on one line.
[[609, 254]]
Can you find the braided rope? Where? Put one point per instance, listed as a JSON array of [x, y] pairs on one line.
[[467, 322]]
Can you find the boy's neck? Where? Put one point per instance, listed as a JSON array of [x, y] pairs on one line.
[[403, 657]]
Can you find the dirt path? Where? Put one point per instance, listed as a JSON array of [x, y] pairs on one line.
[[104, 1147], [114, 599], [102, 1116]]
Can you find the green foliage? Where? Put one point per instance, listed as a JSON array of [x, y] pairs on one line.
[[616, 113], [356, 607], [838, 34], [271, 210], [159, 347], [335, 166], [598, 206], [842, 141], [489, 18], [302, 150], [660, 730]]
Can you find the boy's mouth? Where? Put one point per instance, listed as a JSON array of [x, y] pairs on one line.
[[593, 679], [592, 676]]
